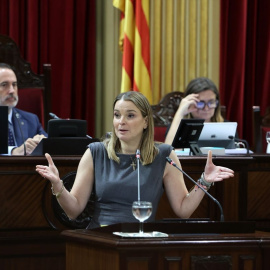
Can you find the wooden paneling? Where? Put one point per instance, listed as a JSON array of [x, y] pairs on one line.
[[180, 251], [30, 229]]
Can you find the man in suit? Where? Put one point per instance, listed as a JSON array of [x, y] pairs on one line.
[[25, 129]]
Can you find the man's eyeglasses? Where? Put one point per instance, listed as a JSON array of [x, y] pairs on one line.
[[212, 104]]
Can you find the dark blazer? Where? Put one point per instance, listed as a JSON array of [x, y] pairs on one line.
[[26, 125]]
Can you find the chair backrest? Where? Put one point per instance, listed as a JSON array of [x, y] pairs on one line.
[[164, 111], [34, 90], [260, 125], [83, 220]]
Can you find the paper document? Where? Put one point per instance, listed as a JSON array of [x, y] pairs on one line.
[[215, 151]]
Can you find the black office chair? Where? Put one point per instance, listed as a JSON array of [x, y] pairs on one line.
[[163, 113], [82, 221]]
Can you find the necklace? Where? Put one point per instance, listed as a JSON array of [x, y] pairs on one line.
[[133, 163]]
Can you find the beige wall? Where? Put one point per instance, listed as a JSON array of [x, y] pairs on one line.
[[108, 64]]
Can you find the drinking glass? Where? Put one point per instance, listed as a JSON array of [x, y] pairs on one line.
[[141, 210], [268, 142]]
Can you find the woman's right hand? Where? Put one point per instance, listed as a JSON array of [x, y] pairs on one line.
[[49, 172], [188, 104]]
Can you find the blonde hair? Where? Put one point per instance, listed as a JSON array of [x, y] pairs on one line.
[[147, 146]]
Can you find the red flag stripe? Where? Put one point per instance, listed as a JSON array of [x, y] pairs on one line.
[[136, 46], [135, 87], [128, 57]]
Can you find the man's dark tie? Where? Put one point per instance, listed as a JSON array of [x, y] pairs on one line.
[[11, 141]]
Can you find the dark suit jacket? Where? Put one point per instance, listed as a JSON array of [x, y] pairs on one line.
[[26, 125]]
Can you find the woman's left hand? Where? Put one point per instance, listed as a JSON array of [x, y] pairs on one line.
[[213, 173]]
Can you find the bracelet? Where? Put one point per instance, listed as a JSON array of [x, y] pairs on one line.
[[204, 183], [58, 194]]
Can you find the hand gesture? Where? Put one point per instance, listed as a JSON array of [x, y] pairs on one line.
[[49, 172], [188, 104], [213, 173]]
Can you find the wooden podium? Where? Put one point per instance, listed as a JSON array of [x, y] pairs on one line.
[[30, 226], [190, 245]]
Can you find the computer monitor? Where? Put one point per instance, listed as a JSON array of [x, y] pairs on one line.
[[187, 135], [67, 128], [3, 129], [65, 137]]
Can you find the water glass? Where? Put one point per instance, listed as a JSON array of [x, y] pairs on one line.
[[141, 210], [268, 142]]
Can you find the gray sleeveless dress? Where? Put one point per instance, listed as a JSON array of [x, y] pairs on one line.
[[116, 185]]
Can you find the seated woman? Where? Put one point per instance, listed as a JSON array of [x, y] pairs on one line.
[[201, 101]]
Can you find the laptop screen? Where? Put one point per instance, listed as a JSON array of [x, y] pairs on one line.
[[219, 134], [3, 129]]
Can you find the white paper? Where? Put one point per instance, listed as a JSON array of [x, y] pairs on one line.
[[143, 235]]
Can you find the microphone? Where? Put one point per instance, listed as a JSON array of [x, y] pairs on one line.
[[138, 155], [241, 140], [19, 124], [169, 160], [54, 116]]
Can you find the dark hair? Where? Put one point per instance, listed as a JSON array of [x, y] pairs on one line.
[[202, 84], [4, 65]]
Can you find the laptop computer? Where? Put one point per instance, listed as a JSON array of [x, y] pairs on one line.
[[218, 134], [3, 129]]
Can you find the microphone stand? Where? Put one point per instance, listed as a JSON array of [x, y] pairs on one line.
[[241, 140], [169, 160], [138, 154], [19, 124]]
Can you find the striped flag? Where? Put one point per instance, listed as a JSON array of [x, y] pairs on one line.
[[135, 44]]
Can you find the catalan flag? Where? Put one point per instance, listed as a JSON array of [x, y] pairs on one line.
[[135, 44]]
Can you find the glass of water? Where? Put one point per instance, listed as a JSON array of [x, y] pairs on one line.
[[268, 142], [141, 210]]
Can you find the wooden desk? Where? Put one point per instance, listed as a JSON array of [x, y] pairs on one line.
[[29, 228], [100, 249], [257, 192], [244, 197], [229, 192]]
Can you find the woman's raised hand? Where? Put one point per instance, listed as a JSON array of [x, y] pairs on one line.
[[49, 172], [213, 173]]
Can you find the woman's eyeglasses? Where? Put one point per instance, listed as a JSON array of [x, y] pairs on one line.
[[212, 104]]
